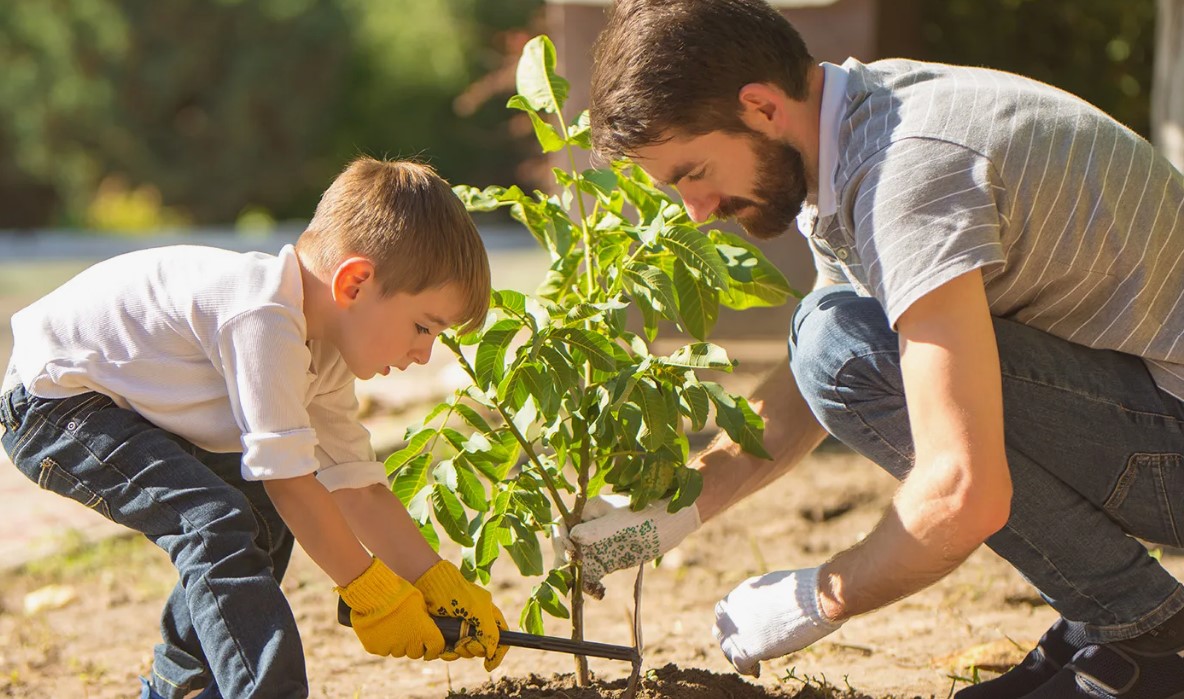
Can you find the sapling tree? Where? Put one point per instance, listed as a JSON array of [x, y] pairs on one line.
[[566, 400]]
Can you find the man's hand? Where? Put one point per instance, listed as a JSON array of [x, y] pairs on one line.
[[389, 615], [448, 594], [769, 616], [613, 537]]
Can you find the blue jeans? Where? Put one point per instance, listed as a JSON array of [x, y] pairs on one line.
[[1094, 448], [227, 621]]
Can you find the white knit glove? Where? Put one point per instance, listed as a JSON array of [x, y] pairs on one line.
[[612, 536], [768, 616]]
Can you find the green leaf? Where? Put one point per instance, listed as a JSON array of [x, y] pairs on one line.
[[698, 306], [653, 414], [548, 137], [473, 418], [512, 301], [451, 515], [602, 182], [580, 132], [550, 602], [418, 441], [531, 620], [470, 490], [411, 478], [697, 403], [561, 365], [491, 353], [525, 550], [699, 355], [690, 484], [697, 252], [736, 417], [595, 347], [653, 287], [494, 534], [536, 79]]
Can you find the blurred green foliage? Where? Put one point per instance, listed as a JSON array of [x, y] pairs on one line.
[[212, 110], [1100, 50], [227, 106]]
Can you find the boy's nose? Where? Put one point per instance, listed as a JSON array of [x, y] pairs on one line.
[[421, 355]]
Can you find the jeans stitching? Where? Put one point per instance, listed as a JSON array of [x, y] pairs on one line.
[[1094, 398]]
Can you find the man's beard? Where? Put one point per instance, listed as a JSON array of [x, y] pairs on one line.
[[779, 194]]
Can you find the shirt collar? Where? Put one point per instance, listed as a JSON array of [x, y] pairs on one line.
[[830, 116]]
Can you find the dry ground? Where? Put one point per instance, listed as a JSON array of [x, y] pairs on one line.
[[96, 645]]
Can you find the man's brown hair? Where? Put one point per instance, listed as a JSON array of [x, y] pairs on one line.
[[678, 65], [404, 218]]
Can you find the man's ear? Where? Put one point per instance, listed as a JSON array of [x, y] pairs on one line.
[[350, 278], [762, 107]]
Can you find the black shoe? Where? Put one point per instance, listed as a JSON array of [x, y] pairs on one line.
[[1116, 671], [1062, 640]]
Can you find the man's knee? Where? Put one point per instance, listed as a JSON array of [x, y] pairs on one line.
[[836, 333]]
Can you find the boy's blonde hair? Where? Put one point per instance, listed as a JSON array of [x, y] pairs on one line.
[[404, 218]]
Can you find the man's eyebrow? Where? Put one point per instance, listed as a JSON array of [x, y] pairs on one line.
[[679, 172]]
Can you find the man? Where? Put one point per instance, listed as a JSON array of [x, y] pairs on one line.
[[998, 322]]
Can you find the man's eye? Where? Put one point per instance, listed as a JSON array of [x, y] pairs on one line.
[[422, 330]]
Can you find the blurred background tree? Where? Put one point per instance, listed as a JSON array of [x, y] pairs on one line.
[[213, 108], [126, 114], [1101, 50]]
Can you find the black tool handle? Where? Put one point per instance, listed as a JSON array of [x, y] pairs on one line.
[[450, 628]]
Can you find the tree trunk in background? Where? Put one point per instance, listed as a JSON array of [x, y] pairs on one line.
[[1167, 93]]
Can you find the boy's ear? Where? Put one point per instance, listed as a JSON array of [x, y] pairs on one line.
[[350, 278]]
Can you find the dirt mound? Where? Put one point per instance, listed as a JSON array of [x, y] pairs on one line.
[[663, 683]]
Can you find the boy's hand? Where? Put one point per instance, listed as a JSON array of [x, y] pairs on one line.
[[389, 615], [448, 594]]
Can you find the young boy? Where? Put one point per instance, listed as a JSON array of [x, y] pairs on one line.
[[206, 399]]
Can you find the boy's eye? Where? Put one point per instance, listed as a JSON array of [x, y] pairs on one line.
[[697, 175], [422, 330]]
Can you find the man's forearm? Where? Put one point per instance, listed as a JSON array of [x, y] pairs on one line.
[[314, 519], [381, 522], [791, 433], [930, 528]]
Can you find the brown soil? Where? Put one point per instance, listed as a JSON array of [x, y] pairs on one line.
[[983, 616], [667, 681]]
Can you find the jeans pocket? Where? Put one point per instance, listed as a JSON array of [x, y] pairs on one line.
[[56, 479], [1148, 495]]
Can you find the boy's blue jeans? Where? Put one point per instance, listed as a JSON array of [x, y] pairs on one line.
[[1094, 447], [227, 621]]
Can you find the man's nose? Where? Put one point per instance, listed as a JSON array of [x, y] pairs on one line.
[[700, 206]]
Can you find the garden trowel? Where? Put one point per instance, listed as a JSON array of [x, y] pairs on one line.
[[453, 629]]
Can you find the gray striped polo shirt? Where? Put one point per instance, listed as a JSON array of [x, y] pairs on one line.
[[1074, 219]]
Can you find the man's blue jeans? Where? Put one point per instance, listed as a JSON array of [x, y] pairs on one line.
[[1094, 449], [227, 617]]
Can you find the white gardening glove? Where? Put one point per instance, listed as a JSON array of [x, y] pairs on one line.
[[612, 536], [768, 616]]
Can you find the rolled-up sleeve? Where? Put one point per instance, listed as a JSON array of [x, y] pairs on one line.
[[344, 452], [264, 361]]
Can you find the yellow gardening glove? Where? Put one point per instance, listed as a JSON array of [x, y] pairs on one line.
[[389, 615], [448, 594]]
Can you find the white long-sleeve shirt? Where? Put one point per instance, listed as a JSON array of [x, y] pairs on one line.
[[207, 344]]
